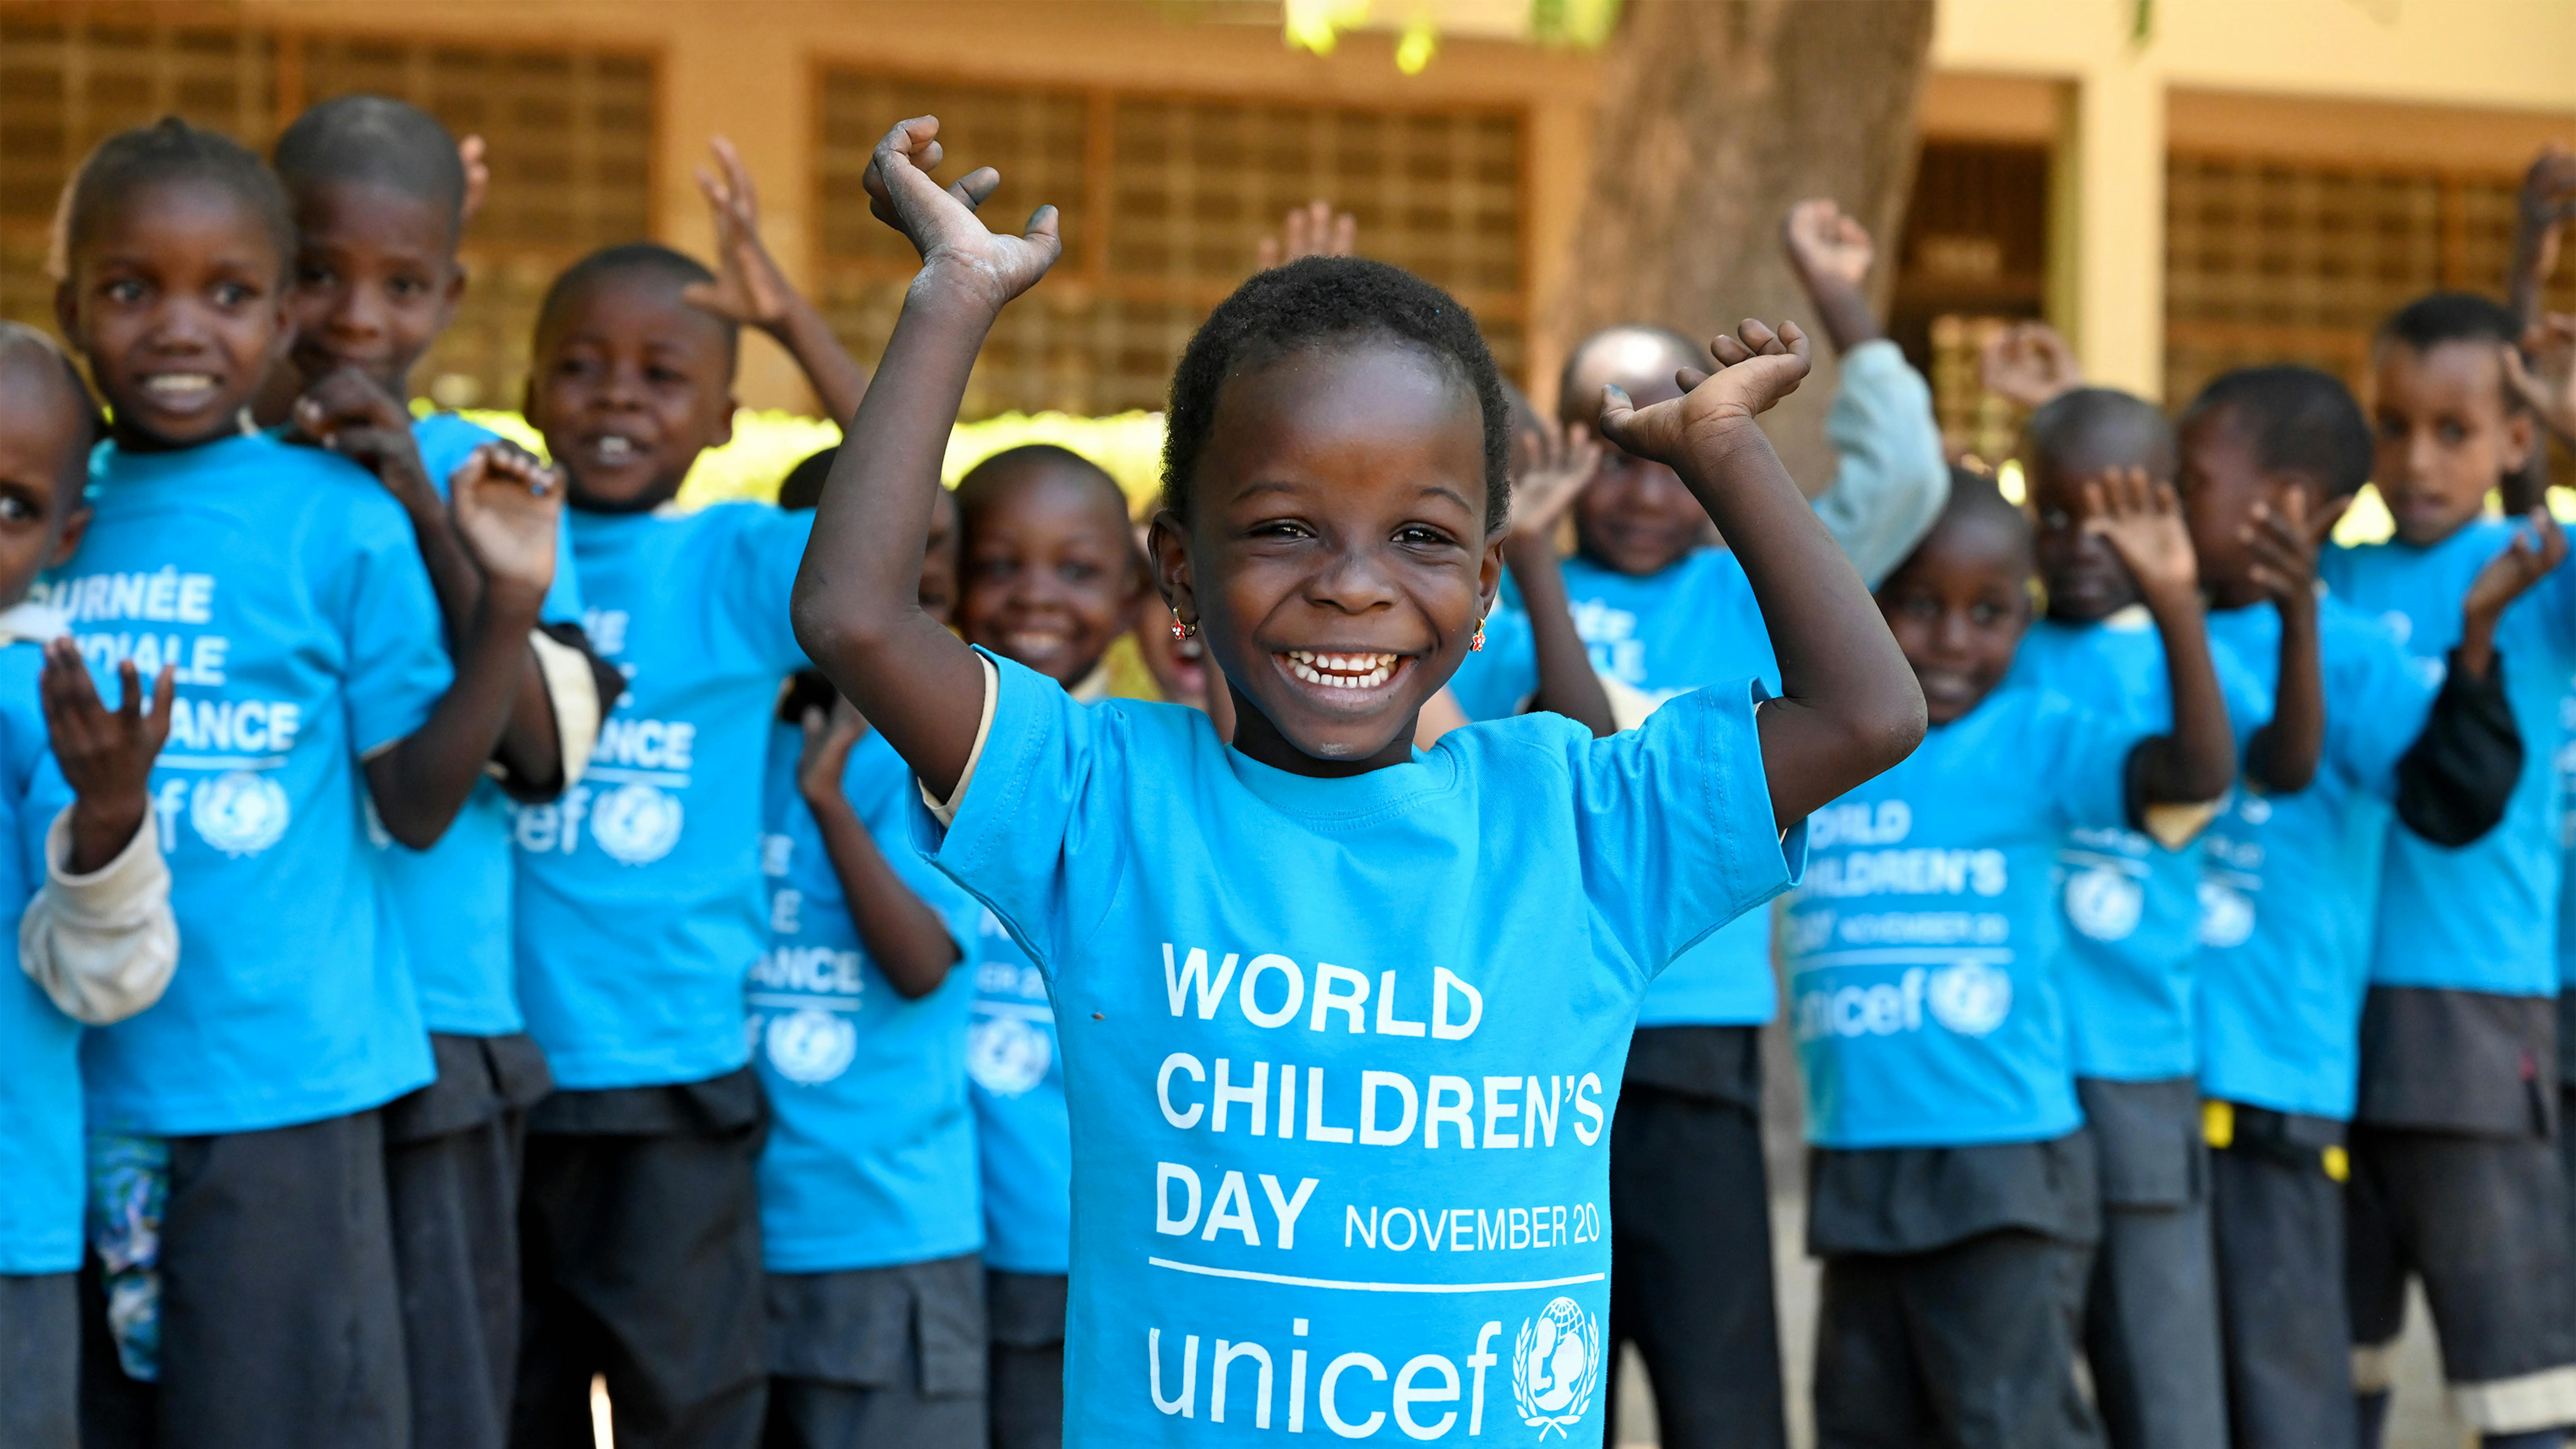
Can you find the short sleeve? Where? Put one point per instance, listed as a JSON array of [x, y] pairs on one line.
[[765, 551], [2376, 706], [2551, 607], [1675, 825], [1036, 837], [563, 597], [887, 813], [1495, 681], [2248, 702], [397, 659], [2078, 759]]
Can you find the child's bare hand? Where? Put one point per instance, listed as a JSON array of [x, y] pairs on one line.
[[826, 755], [941, 223], [507, 507], [2534, 553], [2548, 382], [2142, 520], [1312, 230], [2547, 201], [105, 754], [2285, 543], [1827, 247], [2028, 363], [749, 288], [1751, 375], [348, 414], [478, 176], [1549, 468]]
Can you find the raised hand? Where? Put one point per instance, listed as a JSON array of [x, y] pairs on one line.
[[2142, 520], [478, 176], [2533, 554], [1751, 375], [2285, 543], [1550, 465], [348, 414], [2548, 382], [941, 223], [2028, 363], [2547, 201], [1312, 230], [1827, 246], [105, 754], [507, 507], [749, 288], [829, 738]]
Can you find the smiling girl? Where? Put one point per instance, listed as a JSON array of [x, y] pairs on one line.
[[1341, 1021]]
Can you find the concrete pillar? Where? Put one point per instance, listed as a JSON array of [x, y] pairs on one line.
[[2107, 283]]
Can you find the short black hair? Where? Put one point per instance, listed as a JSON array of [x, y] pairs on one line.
[[1331, 302], [378, 142], [2299, 420], [2437, 318], [649, 258], [978, 482], [2086, 430], [802, 488], [1682, 347], [172, 150], [20, 342]]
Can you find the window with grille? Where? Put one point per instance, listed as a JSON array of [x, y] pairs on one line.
[[1163, 201], [568, 136], [1973, 257]]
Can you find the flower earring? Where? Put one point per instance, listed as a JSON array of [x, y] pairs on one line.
[[1477, 644], [1181, 630]]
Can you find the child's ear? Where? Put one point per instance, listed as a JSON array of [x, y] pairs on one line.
[[67, 543], [1167, 541], [724, 424], [2519, 435], [528, 403], [1489, 573], [67, 315]]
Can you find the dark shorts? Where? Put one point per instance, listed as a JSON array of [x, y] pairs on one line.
[[40, 1360], [2151, 1310], [2482, 1220], [640, 1248], [1690, 1238], [452, 1167], [280, 1315], [2276, 1215], [1024, 1312], [877, 1356]]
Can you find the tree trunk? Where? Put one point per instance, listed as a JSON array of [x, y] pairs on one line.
[[1716, 116]]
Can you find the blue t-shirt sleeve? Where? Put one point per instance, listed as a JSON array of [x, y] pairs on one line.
[[886, 810], [2552, 605], [389, 619], [2249, 704], [1037, 837], [1675, 825], [2078, 759], [766, 547], [2376, 704]]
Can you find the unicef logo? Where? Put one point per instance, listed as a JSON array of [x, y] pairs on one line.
[[2103, 904], [2226, 916], [1971, 998], [636, 824], [238, 812], [1006, 1056], [812, 1045], [1556, 1364]]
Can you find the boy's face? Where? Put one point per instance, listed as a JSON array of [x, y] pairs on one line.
[[2445, 435], [376, 280], [2084, 576], [43, 465], [1336, 561], [1048, 571], [1635, 516], [175, 302], [2220, 485], [630, 384], [938, 591], [1958, 609]]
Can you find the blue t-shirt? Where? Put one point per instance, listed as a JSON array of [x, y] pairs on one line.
[[640, 902], [1287, 1007], [871, 1153], [42, 1182], [453, 899], [1023, 1138], [2289, 882], [1926, 976], [2131, 907], [2483, 917], [285, 585], [2567, 846], [1693, 624]]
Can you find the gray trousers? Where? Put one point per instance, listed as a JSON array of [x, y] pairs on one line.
[[2278, 1222], [40, 1360], [2151, 1315]]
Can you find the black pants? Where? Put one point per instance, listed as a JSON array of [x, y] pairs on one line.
[[2277, 1220], [1971, 1346], [1690, 1279], [2151, 1332], [39, 1360], [642, 1263], [878, 1358], [1025, 1378], [280, 1316]]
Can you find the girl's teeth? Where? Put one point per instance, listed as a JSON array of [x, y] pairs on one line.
[[179, 382]]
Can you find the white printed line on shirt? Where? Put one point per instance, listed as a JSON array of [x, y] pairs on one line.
[[1021, 1009], [1909, 956], [619, 775], [222, 762], [2102, 861], [1356, 1287], [828, 1003]]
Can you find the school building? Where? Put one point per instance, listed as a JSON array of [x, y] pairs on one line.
[[2181, 185]]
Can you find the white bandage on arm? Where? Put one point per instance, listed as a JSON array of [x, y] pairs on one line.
[[573, 690], [102, 946], [945, 811]]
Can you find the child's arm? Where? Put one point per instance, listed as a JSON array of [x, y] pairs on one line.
[[2028, 363], [351, 416], [1549, 478], [2547, 199], [751, 290], [907, 938], [2457, 777], [2548, 382], [99, 937], [2141, 520], [857, 606], [1312, 230], [2282, 757], [2531, 557], [1849, 707]]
